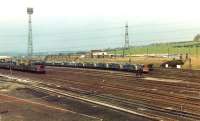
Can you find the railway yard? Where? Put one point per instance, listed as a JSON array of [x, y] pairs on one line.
[[100, 95], [99, 61]]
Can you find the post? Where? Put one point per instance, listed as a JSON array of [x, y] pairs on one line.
[[189, 51], [115, 53], [123, 52], [190, 63], [197, 53], [181, 110], [10, 66], [168, 50]]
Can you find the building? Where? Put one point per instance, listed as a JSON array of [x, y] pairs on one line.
[[5, 58], [98, 54]]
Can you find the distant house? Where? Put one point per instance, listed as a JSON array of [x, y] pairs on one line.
[[98, 53], [5, 58]]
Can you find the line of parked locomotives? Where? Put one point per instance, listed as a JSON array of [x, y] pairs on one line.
[[33, 68], [108, 66], [40, 67]]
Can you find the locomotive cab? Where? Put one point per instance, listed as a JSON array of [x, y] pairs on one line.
[[40, 68], [145, 69]]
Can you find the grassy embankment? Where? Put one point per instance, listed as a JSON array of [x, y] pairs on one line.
[[190, 47]]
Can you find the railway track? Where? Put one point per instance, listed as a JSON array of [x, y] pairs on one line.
[[192, 75], [116, 87], [127, 77], [140, 91], [180, 88], [155, 109], [51, 89], [164, 113], [79, 83]]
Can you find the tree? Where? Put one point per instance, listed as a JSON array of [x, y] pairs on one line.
[[197, 37]]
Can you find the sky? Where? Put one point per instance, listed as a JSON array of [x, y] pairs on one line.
[[74, 25]]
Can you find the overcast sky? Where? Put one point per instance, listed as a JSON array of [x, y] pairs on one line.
[[65, 25]]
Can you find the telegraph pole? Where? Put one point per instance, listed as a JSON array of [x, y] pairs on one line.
[[197, 53]]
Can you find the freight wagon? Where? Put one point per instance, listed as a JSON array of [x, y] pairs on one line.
[[106, 66]]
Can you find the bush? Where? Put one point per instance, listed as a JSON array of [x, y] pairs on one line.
[[173, 63]]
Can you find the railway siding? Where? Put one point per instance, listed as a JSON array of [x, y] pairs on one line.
[[165, 94]]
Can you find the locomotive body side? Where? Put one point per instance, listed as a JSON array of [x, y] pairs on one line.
[[38, 68]]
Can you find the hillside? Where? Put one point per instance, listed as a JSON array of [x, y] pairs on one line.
[[190, 47]]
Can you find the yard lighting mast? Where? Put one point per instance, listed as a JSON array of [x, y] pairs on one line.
[[30, 39], [126, 45]]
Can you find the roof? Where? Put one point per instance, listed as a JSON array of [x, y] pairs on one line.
[[5, 57], [96, 51]]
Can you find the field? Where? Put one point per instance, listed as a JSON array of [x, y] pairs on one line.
[[174, 49], [190, 47]]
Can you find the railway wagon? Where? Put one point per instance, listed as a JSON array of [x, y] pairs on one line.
[[130, 67], [113, 66], [101, 65], [79, 65], [39, 68], [66, 64], [59, 64], [107, 66], [89, 65], [5, 65], [49, 64], [29, 68], [69, 64], [52, 64]]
